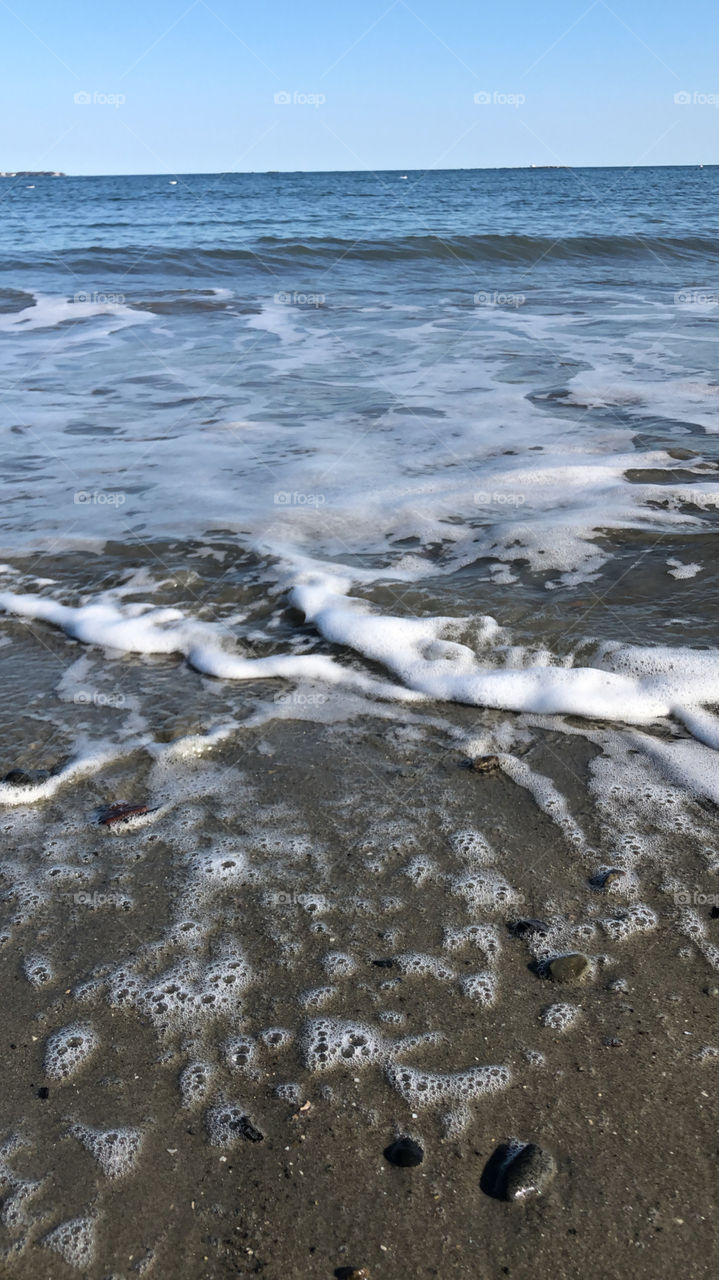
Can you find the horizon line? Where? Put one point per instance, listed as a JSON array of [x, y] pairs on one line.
[[217, 173]]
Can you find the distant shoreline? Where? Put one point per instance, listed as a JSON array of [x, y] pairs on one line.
[[278, 173], [35, 173]]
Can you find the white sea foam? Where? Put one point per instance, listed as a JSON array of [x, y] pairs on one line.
[[628, 684], [92, 762], [47, 312], [139, 629], [68, 1049], [115, 1150], [75, 1241]]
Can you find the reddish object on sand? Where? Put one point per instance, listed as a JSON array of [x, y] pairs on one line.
[[120, 813]]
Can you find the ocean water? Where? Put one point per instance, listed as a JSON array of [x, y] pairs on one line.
[[352, 474], [469, 394]]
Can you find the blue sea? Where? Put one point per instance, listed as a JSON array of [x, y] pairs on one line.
[[495, 389]]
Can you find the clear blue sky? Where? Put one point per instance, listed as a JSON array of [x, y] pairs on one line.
[[196, 82]]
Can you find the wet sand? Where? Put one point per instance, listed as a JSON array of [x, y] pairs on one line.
[[623, 1099]]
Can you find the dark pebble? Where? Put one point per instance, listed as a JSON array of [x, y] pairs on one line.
[[527, 927], [714, 913], [383, 964], [247, 1130], [611, 876], [43, 1092], [518, 1173], [26, 777], [405, 1152], [352, 1273]]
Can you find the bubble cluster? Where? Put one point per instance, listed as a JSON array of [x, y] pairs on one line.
[[337, 964], [66, 1050], [332, 1042], [558, 1017], [430, 1088], [195, 1081], [485, 889], [17, 1192], [115, 1150], [316, 997], [419, 965], [420, 869], [481, 987], [472, 847], [276, 1038], [635, 919], [220, 867], [190, 991], [74, 1240], [484, 937], [240, 1054], [228, 1122], [288, 1093], [392, 1016], [38, 970], [534, 1057]]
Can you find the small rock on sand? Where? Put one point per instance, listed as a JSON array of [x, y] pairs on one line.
[[483, 764], [570, 968], [518, 1171], [26, 777], [527, 928], [405, 1152]]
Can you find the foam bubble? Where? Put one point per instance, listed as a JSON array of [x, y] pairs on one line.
[[455, 1122], [74, 1240], [420, 869], [484, 937], [276, 1038], [337, 964], [223, 867], [472, 847], [240, 1053], [534, 1057], [559, 1017], [417, 964], [430, 1088], [38, 970], [481, 987], [195, 1082], [229, 1122], [66, 1050], [635, 919], [332, 1042], [115, 1150], [485, 889], [17, 1192], [316, 997], [189, 991], [288, 1093]]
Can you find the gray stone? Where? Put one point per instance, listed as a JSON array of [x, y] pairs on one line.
[[569, 968]]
